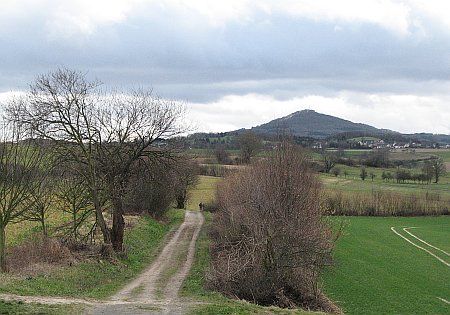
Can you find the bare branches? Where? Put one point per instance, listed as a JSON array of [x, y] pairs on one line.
[[269, 241], [20, 162], [99, 134]]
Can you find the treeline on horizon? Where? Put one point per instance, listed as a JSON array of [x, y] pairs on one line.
[[342, 140]]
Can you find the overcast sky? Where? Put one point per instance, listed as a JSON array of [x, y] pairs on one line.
[[239, 63]]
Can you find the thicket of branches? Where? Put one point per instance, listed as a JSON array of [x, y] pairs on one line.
[[384, 203], [84, 151], [21, 180], [269, 239]]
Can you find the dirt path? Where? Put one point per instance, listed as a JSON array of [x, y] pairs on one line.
[[155, 291]]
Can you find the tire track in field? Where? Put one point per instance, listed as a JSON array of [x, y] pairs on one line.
[[420, 247], [424, 249], [421, 240], [443, 300]]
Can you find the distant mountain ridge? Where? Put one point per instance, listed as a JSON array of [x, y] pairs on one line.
[[309, 123], [313, 126]]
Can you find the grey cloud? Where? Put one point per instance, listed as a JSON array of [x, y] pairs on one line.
[[277, 55]]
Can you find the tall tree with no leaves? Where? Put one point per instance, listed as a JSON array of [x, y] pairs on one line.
[[132, 128], [438, 168], [186, 176], [101, 134], [329, 161], [249, 144], [61, 107], [19, 167]]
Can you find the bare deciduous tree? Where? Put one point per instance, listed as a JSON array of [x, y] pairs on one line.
[[61, 107], [438, 168], [249, 144], [101, 134], [269, 241], [19, 167], [329, 161], [222, 155], [363, 174], [129, 129], [186, 176], [41, 201], [74, 199]]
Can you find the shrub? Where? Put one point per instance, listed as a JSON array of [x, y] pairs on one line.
[[384, 203], [150, 190], [38, 251], [269, 241], [210, 207]]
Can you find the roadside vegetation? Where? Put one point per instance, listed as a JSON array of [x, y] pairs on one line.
[[195, 285], [16, 308], [88, 185], [371, 263], [275, 262], [96, 277]]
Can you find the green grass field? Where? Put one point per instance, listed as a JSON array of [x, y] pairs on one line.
[[378, 272], [99, 278], [375, 272], [352, 182], [204, 192]]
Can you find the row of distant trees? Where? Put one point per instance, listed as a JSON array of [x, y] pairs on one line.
[[432, 170], [249, 145], [96, 150]]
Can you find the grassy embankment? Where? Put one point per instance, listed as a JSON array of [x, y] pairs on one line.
[[98, 278], [16, 308]]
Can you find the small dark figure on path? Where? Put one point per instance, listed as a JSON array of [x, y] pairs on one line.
[[201, 206]]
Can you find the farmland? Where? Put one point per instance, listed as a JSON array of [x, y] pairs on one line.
[[378, 272], [375, 271]]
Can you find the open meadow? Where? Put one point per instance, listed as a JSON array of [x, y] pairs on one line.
[[375, 270]]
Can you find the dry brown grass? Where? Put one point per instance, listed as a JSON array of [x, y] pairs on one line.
[[384, 203], [37, 256]]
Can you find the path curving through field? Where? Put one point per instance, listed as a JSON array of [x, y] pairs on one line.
[[155, 291]]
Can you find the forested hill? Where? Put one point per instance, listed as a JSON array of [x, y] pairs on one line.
[[308, 123], [310, 127]]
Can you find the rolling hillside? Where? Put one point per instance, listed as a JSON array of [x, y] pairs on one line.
[[308, 123]]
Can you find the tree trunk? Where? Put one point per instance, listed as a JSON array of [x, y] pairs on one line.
[[101, 220], [2, 249], [118, 225], [181, 201], [44, 229], [74, 224]]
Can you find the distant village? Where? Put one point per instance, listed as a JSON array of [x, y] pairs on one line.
[[372, 143]]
